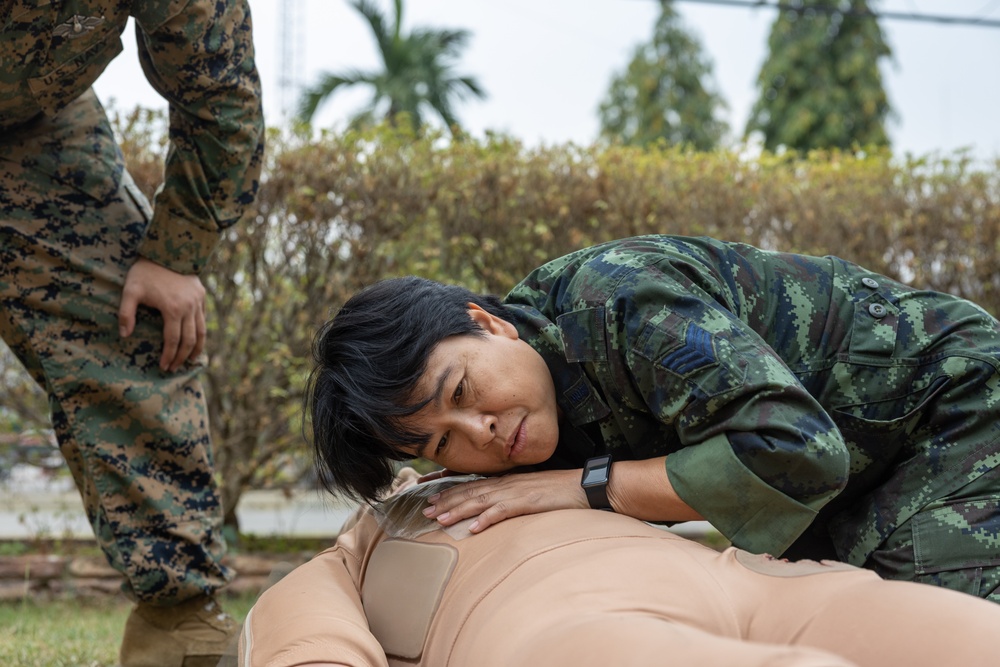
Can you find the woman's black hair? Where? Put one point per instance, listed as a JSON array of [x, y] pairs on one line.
[[368, 360]]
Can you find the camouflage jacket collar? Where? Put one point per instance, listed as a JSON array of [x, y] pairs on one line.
[[577, 397]]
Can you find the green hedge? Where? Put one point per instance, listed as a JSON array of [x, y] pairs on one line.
[[338, 212]]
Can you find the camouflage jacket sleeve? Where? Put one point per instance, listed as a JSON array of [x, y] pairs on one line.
[[759, 456], [748, 447], [199, 56]]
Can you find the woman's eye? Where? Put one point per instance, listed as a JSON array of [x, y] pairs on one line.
[[459, 390], [441, 444]]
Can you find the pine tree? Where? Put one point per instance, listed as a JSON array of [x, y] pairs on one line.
[[820, 86], [662, 94]]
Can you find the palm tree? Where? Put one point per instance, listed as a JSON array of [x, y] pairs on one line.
[[417, 72]]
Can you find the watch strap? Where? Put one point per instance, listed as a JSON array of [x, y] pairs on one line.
[[597, 492]]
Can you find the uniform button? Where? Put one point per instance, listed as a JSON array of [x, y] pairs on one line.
[[877, 310], [870, 282]]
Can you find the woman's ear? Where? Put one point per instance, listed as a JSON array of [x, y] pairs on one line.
[[491, 323]]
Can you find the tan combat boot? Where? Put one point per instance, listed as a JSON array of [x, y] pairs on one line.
[[195, 633]]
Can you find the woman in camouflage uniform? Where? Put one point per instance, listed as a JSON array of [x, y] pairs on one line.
[[804, 406]]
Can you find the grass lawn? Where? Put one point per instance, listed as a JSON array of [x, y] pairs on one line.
[[73, 633]]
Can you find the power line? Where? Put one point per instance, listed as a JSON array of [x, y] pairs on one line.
[[833, 9]]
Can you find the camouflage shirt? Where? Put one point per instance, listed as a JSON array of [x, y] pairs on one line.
[[198, 54], [786, 390]]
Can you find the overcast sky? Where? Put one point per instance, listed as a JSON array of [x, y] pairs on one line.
[[546, 64]]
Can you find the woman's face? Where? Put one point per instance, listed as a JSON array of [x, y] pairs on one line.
[[493, 402]]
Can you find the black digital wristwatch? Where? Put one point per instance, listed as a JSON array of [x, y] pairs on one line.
[[596, 475]]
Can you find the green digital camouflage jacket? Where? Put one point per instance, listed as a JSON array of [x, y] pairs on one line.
[[786, 390], [198, 54]]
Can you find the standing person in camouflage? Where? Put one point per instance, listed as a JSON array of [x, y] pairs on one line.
[[805, 406], [100, 296]]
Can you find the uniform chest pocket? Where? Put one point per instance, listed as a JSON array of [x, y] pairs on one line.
[[882, 416], [875, 324], [81, 48], [955, 546]]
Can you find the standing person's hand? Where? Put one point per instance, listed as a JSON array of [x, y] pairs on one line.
[[181, 301]]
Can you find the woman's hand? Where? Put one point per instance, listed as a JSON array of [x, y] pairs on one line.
[[497, 498], [637, 488]]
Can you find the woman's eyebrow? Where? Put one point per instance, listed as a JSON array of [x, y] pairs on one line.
[[441, 382], [436, 399]]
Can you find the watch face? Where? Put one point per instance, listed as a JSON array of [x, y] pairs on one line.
[[596, 472]]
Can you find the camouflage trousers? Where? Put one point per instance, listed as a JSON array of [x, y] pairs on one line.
[[953, 542], [136, 439]]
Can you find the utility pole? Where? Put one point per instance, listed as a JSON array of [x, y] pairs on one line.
[[292, 48]]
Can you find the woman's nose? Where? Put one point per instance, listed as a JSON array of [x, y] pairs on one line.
[[483, 430]]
